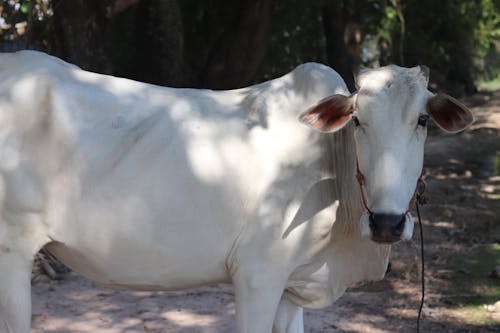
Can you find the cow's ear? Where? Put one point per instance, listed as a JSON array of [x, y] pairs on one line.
[[330, 114], [448, 113]]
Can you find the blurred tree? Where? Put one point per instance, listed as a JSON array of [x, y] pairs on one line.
[[13, 19], [342, 24], [78, 33], [19, 19], [296, 37], [213, 44], [226, 41], [453, 38], [159, 33], [225, 44]]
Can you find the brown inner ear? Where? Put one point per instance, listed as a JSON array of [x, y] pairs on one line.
[[336, 122], [449, 113], [330, 113]]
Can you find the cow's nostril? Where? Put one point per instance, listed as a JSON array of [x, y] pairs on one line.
[[373, 225], [398, 230], [387, 228]]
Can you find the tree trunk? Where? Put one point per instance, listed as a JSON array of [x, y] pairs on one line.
[[400, 41], [78, 34], [145, 39], [160, 42], [343, 41], [239, 49]]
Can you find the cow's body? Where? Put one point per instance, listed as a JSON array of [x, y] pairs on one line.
[[143, 187], [149, 188]]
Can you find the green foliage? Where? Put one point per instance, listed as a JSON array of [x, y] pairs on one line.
[[13, 15], [496, 159], [458, 39], [477, 288], [490, 85], [20, 18], [296, 37]]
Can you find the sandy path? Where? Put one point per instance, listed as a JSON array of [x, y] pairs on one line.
[[78, 305]]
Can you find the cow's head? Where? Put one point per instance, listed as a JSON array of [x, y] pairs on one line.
[[390, 113]]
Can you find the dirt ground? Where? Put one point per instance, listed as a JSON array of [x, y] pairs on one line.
[[462, 216]]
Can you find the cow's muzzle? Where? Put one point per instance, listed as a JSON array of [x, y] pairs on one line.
[[386, 228]]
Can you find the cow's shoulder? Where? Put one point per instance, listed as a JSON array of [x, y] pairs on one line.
[[318, 80], [315, 70], [292, 92]]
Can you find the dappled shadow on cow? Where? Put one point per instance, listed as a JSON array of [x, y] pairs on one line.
[[163, 189]]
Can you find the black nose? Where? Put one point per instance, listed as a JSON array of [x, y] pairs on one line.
[[387, 228]]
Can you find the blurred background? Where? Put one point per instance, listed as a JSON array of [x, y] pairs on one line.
[[224, 44]]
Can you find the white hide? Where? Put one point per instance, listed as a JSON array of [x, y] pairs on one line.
[[143, 187], [390, 143]]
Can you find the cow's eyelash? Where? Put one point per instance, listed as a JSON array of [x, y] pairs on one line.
[[356, 121], [422, 120]]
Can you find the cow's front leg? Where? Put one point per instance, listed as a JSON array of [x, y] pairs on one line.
[[15, 292], [258, 293], [289, 318]]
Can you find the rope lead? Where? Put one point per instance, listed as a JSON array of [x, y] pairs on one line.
[[421, 201]]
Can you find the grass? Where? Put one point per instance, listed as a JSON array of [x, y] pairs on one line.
[[496, 165], [478, 287], [490, 85], [477, 314]]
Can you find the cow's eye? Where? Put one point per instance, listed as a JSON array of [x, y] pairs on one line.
[[422, 120], [356, 121]]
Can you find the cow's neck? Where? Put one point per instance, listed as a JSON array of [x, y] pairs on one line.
[[340, 163], [350, 257]]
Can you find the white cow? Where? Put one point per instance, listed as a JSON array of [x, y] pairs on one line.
[[142, 187]]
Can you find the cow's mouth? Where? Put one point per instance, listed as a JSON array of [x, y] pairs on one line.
[[385, 239]]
